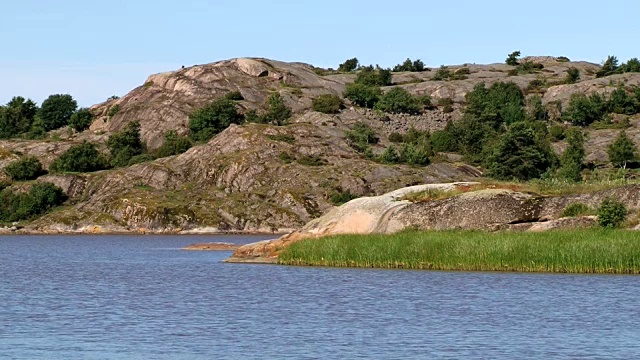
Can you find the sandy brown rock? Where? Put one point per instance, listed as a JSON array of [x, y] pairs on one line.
[[211, 247]]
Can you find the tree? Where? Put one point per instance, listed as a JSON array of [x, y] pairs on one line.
[[361, 136], [536, 110], [24, 206], [573, 157], [349, 65], [408, 65], [17, 117], [520, 154], [80, 158], [173, 145], [502, 103], [398, 101], [573, 75], [81, 120], [126, 144], [56, 111], [584, 110], [633, 65], [621, 103], [513, 58], [327, 103], [278, 113], [609, 67], [27, 168], [363, 95], [622, 151], [213, 118]]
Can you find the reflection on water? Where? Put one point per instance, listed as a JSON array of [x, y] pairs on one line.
[[119, 297]]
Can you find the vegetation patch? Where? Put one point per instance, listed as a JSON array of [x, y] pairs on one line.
[[576, 251]]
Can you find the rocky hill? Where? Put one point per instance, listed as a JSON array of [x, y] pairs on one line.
[[240, 180]]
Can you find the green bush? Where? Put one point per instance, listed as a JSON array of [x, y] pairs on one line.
[[361, 136], [622, 103], [513, 58], [113, 110], [371, 76], [577, 209], [584, 110], [612, 213], [562, 59], [277, 112], [572, 159], [289, 139], [556, 132], [395, 137], [443, 141], [213, 118], [56, 111], [390, 155], [40, 198], [173, 145], [311, 160], [609, 67], [81, 120], [425, 101], [125, 144], [80, 158], [443, 74], [137, 159], [363, 95], [416, 153], [622, 151], [573, 75], [398, 101], [327, 103], [285, 157], [349, 65], [633, 65], [340, 197], [27, 168]]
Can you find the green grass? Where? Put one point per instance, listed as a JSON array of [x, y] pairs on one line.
[[576, 251]]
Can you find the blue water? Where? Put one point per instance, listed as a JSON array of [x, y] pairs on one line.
[[115, 297]]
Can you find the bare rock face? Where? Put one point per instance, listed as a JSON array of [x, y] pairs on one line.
[[579, 222]]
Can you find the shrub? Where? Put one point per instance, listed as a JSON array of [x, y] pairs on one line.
[[126, 144], [363, 95], [416, 153], [501, 103], [80, 158], [611, 213], [340, 197], [173, 145], [425, 101], [40, 198], [390, 155], [327, 103], [535, 109], [584, 110], [397, 101], [137, 159], [27, 168], [573, 75], [285, 157], [361, 136], [633, 65], [395, 137], [374, 77], [556, 132], [81, 120], [277, 112], [289, 139], [56, 111], [442, 141], [349, 65], [311, 160], [622, 151], [113, 110], [211, 119], [513, 58], [443, 74], [562, 59], [577, 209], [621, 103]]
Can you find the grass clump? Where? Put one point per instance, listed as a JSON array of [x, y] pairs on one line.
[[289, 139], [575, 251]]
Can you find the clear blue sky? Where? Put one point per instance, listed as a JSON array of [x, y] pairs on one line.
[[94, 49]]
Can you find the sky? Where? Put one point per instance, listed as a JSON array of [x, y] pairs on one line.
[[95, 49]]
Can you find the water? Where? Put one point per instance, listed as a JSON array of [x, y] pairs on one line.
[[114, 297]]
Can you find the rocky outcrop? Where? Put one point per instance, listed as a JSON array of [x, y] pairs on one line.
[[485, 209], [211, 247]]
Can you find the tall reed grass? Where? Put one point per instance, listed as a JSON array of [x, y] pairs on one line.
[[575, 251]]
